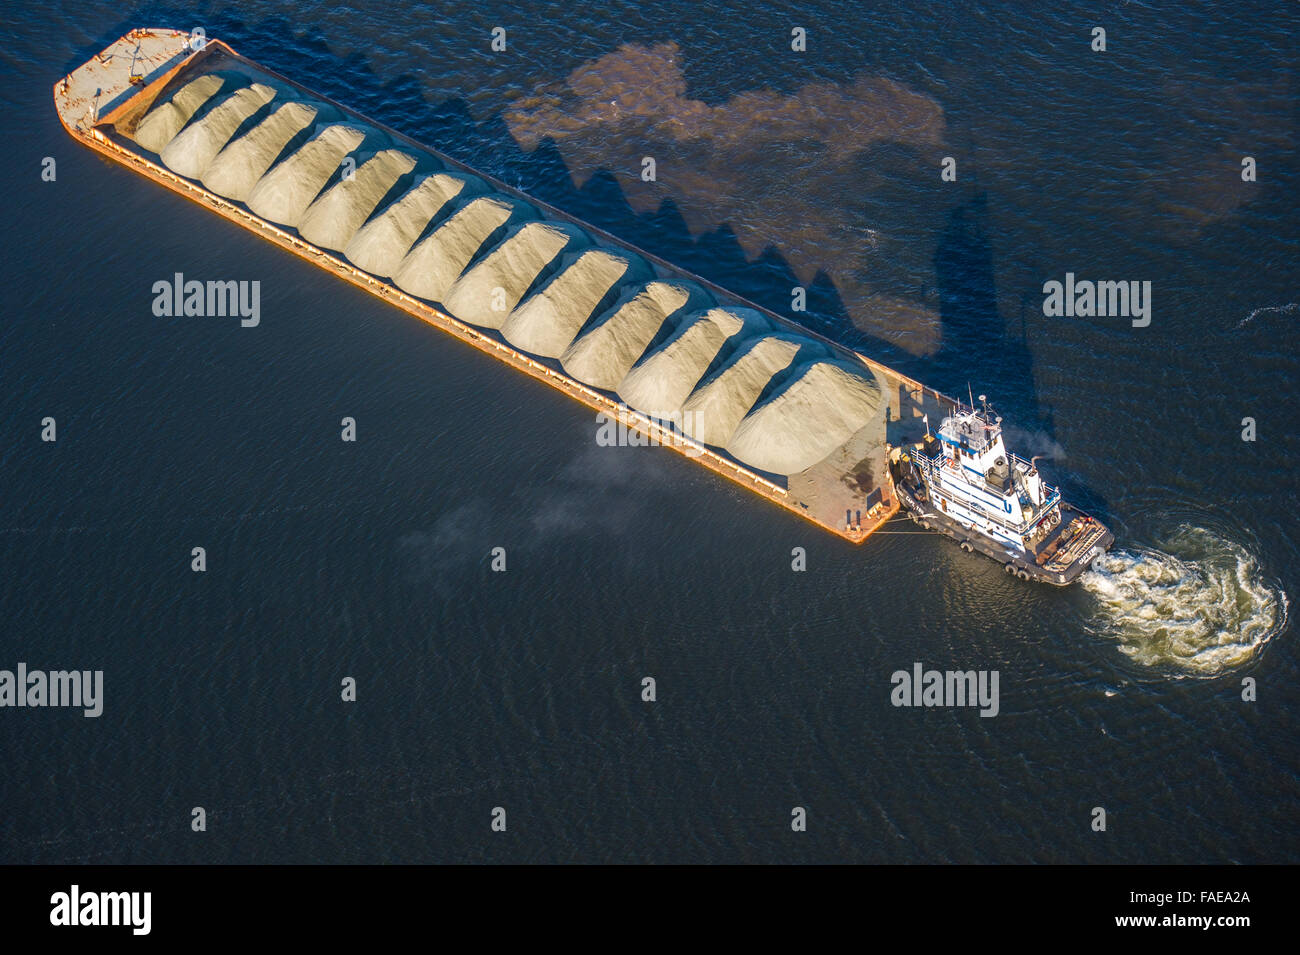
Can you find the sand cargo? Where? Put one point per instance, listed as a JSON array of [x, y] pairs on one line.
[[749, 394]]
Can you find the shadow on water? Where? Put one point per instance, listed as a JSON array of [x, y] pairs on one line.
[[979, 343], [987, 350]]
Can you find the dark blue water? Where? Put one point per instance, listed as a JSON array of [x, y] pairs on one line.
[[522, 689]]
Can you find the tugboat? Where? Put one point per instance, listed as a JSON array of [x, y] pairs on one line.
[[964, 483]]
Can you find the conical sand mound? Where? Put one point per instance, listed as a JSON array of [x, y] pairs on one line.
[[662, 381], [606, 352], [714, 410], [284, 193], [380, 245], [487, 293], [245, 160], [334, 217], [550, 318], [192, 150], [823, 405], [161, 124], [435, 262]]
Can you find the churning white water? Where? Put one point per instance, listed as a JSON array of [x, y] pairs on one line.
[[1198, 610]]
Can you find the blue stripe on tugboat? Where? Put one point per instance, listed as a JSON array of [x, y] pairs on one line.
[[964, 483]]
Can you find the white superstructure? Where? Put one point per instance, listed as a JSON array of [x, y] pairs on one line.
[[972, 478]]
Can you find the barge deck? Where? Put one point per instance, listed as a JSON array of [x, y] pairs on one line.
[[851, 493]]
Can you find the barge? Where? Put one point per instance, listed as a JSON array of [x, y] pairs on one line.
[[818, 429]]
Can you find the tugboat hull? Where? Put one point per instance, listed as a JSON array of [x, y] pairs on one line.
[[1018, 564]]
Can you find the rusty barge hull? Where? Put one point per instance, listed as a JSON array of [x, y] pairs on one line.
[[113, 90]]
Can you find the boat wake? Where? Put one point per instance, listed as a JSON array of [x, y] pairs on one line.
[[1198, 611]]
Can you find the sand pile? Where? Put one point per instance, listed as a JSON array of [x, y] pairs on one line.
[[192, 150], [435, 262], [488, 292], [284, 193], [550, 318], [380, 245], [822, 406], [663, 379], [777, 402], [714, 410], [334, 217], [603, 355], [164, 120], [245, 160]]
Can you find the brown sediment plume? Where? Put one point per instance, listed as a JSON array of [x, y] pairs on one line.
[[707, 154], [1195, 181], [647, 83]]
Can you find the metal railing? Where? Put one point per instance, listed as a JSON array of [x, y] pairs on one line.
[[1051, 498]]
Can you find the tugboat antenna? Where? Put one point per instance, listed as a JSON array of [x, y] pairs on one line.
[[971, 396]]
